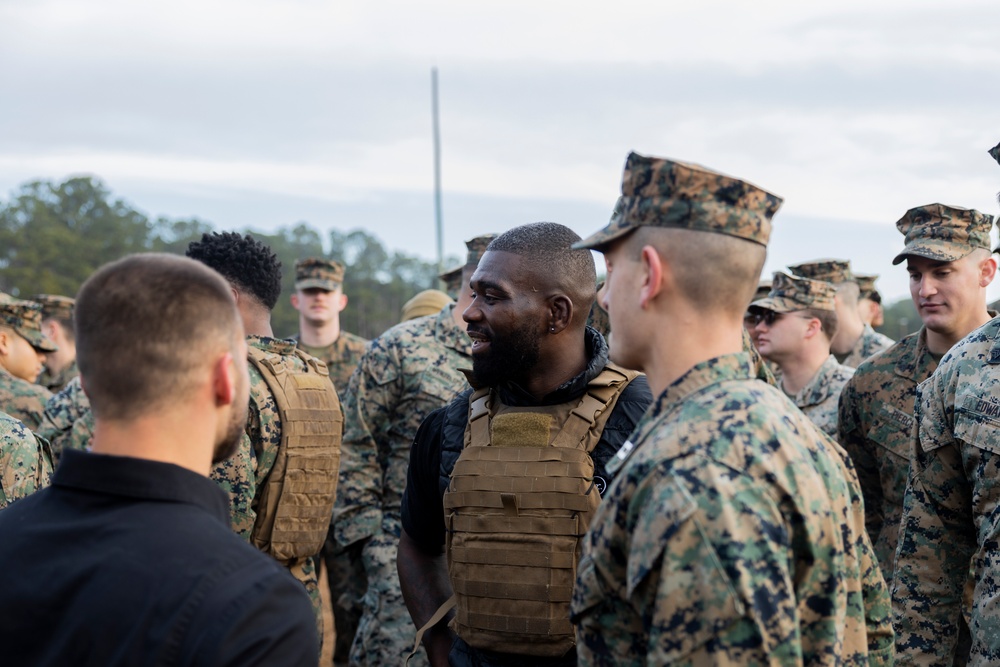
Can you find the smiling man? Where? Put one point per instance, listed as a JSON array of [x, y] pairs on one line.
[[503, 480], [947, 255]]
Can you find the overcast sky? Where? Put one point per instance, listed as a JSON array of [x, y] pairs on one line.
[[260, 114]]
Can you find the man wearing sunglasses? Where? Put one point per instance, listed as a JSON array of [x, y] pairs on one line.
[[794, 325]]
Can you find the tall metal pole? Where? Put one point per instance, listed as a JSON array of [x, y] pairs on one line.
[[437, 169]]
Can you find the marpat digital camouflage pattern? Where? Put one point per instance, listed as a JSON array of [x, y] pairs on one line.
[[341, 357], [25, 465], [791, 293], [876, 428], [733, 534], [665, 193], [318, 272], [870, 344], [950, 517], [820, 399], [407, 372], [943, 233], [836, 271], [22, 399]]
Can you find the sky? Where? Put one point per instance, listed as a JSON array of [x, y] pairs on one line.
[[260, 114]]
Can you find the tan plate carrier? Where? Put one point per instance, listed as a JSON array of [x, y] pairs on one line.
[[295, 506], [518, 505]]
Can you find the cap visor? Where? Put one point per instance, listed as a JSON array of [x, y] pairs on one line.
[[778, 304], [938, 252], [315, 282]]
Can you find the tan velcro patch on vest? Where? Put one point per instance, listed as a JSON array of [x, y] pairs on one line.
[[311, 382], [520, 429]]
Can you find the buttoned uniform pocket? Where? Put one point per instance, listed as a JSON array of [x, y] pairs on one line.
[[892, 430]]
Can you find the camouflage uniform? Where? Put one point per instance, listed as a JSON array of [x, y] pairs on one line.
[[837, 272], [19, 398], [61, 309], [876, 408], [22, 399], [875, 427], [870, 344], [55, 382], [407, 372], [720, 537], [25, 466], [341, 357], [733, 531], [950, 518], [67, 422], [818, 399]]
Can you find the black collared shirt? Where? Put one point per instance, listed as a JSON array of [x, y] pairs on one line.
[[126, 561]]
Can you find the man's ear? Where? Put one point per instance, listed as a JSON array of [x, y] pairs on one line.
[[655, 270], [560, 313], [341, 302], [4, 342], [294, 298], [224, 379], [987, 271]]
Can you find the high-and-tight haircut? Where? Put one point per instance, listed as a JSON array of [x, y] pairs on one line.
[[146, 328], [247, 263], [546, 248]]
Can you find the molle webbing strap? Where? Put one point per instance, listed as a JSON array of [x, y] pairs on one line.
[[518, 503], [297, 500]]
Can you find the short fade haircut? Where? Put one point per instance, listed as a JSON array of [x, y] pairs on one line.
[[145, 325], [546, 246], [718, 272], [828, 322], [247, 263]]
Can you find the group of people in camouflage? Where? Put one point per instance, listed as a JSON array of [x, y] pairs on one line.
[[729, 471]]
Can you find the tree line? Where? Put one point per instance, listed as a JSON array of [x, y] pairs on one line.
[[54, 235]]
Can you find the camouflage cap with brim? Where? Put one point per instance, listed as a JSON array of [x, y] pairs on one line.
[[995, 153], [836, 271], [55, 306], [791, 293], [943, 233], [475, 247], [25, 318], [866, 282], [317, 272], [657, 192], [763, 289]]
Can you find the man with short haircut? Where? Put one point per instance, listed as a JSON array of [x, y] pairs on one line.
[[517, 466], [23, 347], [869, 301], [795, 323], [127, 558], [57, 324], [286, 385], [734, 530], [406, 373], [855, 341], [319, 297], [947, 255], [949, 521]]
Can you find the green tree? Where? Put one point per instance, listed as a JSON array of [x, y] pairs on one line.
[[53, 236], [901, 319]]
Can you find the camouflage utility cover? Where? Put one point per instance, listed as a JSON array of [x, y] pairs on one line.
[[995, 153], [733, 534], [56, 306], [951, 509], [664, 193], [25, 318], [475, 247], [943, 233], [836, 271], [789, 294], [25, 466], [866, 283], [318, 272]]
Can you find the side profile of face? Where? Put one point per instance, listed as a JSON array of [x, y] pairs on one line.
[[621, 298], [780, 335], [317, 305], [506, 319], [947, 295], [18, 356]]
